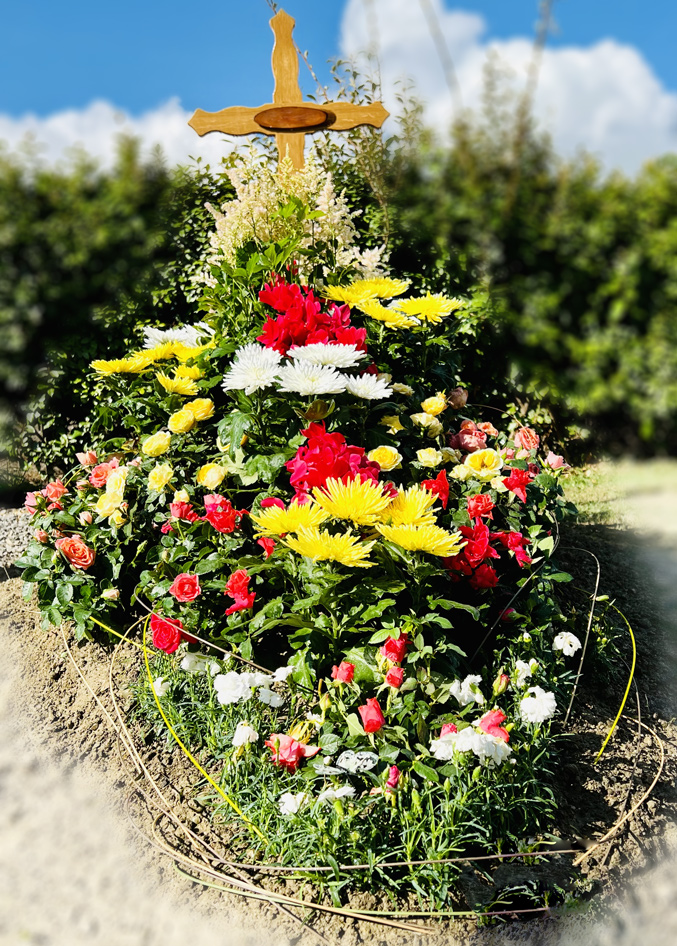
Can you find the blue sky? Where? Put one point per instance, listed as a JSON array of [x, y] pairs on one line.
[[136, 57]]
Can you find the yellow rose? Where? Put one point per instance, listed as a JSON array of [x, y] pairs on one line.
[[181, 422], [431, 424], [388, 458], [403, 388], [115, 484], [211, 475], [159, 476], [484, 464], [157, 444], [201, 408], [435, 405], [429, 457], [392, 422], [107, 503], [117, 519], [181, 496], [461, 472]]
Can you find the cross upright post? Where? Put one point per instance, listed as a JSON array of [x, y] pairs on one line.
[[288, 117]]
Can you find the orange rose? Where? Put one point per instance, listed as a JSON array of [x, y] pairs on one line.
[[526, 438], [75, 551]]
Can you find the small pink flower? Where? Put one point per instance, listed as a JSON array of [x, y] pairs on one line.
[[555, 461], [85, 518], [86, 459], [41, 536], [448, 728]]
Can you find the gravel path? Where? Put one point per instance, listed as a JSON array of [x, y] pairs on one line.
[[71, 873]]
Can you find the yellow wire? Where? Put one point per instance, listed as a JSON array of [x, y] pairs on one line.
[[627, 689], [192, 758], [123, 637]]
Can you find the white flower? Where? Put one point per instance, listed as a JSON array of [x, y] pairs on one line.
[[244, 734], [188, 334], [331, 794], [290, 804], [316, 719], [385, 376], [444, 747], [467, 691], [524, 670], [197, 663], [255, 367], [231, 687], [319, 353], [270, 698], [256, 678], [369, 387], [161, 686], [305, 378], [526, 637], [403, 389], [490, 749], [281, 674], [538, 707], [567, 642]]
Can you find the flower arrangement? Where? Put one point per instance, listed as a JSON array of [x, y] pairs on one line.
[[347, 566]]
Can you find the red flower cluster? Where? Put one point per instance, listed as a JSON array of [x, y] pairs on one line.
[[220, 513], [439, 486], [327, 455], [52, 492], [237, 587], [514, 541], [472, 559], [302, 321], [288, 752]]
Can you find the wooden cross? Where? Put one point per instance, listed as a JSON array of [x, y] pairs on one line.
[[288, 117]]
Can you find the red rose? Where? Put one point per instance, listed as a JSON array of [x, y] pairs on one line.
[[237, 587], [183, 511], [220, 514], [185, 587], [395, 649], [491, 724], [74, 549], [344, 673], [100, 473], [394, 677], [166, 633], [372, 717], [484, 577], [526, 438], [393, 777], [480, 505], [288, 752], [439, 486], [469, 438], [515, 541], [517, 483]]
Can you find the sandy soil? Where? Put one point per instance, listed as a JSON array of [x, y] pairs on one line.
[[72, 871]]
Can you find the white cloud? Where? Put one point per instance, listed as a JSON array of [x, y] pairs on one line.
[[97, 127], [603, 97]]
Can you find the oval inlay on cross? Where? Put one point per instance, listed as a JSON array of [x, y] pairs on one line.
[[291, 118]]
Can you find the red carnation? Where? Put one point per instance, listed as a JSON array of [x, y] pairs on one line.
[[372, 717]]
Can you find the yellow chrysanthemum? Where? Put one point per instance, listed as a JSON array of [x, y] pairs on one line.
[[347, 549], [137, 363], [428, 538], [361, 501], [381, 287], [390, 317], [185, 352], [117, 366], [484, 464], [276, 521], [201, 408], [160, 352], [183, 386], [412, 507], [432, 308], [188, 371]]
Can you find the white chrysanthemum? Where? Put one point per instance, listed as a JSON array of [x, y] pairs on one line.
[[336, 356], [537, 707], [190, 335], [231, 688], [244, 734], [467, 691], [255, 367], [281, 674], [524, 670], [270, 698], [369, 387], [290, 804], [331, 794], [305, 378], [567, 642], [161, 686]]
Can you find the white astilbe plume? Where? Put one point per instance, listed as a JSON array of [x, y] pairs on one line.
[[320, 353], [261, 189], [306, 379], [255, 367], [369, 387]]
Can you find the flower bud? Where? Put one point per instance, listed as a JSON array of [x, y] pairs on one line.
[[501, 683], [457, 398], [85, 518], [111, 594], [318, 410]]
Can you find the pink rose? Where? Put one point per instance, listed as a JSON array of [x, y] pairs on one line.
[[555, 461], [41, 536], [344, 673], [526, 439], [100, 473], [54, 491], [469, 438], [85, 518], [185, 587], [393, 777], [372, 717], [448, 728], [76, 552], [86, 459]]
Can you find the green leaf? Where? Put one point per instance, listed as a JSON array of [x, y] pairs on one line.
[[364, 667], [64, 594], [376, 610], [54, 616], [425, 771], [354, 725]]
